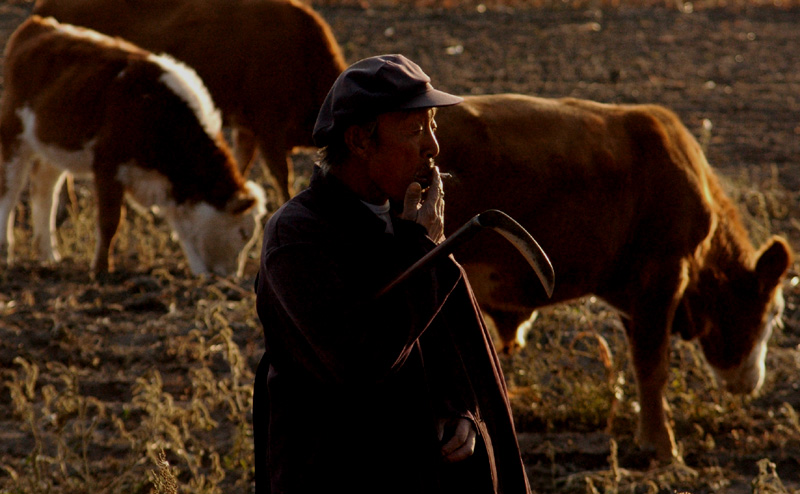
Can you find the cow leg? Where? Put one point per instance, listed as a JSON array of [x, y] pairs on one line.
[[46, 181], [110, 212], [279, 167], [648, 330], [651, 365], [14, 176], [244, 149]]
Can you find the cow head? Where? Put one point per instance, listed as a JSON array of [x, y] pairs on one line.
[[217, 241], [733, 313]]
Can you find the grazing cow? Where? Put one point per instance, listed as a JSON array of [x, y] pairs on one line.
[[80, 102], [626, 206], [268, 63]]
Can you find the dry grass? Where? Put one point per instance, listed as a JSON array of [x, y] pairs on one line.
[[83, 444], [181, 423]]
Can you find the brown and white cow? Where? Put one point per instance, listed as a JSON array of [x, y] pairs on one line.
[[268, 63], [80, 102], [626, 206]]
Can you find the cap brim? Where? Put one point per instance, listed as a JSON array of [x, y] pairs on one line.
[[430, 98]]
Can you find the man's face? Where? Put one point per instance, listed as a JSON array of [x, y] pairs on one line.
[[402, 152]]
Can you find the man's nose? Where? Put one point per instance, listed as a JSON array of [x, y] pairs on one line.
[[431, 146]]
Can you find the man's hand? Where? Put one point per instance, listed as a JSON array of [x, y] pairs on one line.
[[462, 443], [429, 213]]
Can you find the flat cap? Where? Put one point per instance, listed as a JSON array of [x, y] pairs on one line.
[[372, 86]]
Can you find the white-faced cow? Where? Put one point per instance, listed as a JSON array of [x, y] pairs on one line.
[[626, 206], [268, 63], [80, 102]]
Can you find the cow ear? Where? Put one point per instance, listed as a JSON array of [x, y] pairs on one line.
[[240, 203], [773, 263]]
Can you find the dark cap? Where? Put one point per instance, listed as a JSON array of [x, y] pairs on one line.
[[373, 86]]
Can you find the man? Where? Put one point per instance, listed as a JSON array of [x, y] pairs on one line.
[[360, 393]]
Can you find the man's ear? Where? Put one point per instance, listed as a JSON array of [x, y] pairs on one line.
[[357, 139]]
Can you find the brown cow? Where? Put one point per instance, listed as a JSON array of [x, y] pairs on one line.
[[625, 204], [268, 63], [81, 102]]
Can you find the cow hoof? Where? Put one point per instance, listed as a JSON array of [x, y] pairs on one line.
[[636, 457], [645, 457], [102, 277]]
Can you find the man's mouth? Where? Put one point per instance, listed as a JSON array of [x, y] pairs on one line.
[[425, 177]]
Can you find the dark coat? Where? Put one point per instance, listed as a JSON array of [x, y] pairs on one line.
[[350, 388]]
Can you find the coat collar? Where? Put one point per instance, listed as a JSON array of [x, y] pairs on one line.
[[342, 206]]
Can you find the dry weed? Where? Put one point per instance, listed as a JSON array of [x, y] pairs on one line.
[[207, 436], [767, 481], [163, 479]]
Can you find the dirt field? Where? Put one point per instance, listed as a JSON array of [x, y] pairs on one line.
[[99, 378]]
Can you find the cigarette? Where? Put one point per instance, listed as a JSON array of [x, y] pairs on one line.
[[446, 175]]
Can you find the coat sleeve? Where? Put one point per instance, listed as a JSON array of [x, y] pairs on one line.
[[324, 299], [443, 362]]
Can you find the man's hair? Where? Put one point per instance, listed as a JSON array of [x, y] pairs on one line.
[[336, 152]]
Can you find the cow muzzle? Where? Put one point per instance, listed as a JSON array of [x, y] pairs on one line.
[[747, 377]]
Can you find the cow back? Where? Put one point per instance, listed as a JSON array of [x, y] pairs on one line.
[[593, 183], [265, 62]]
